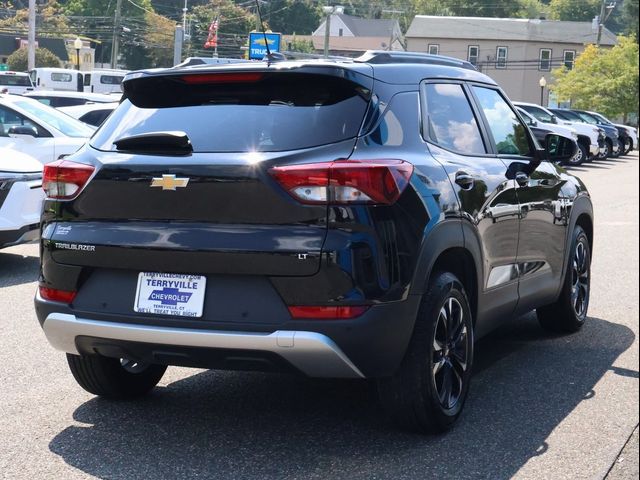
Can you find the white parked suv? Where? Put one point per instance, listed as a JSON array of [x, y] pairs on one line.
[[21, 197], [30, 127], [565, 131], [590, 138]]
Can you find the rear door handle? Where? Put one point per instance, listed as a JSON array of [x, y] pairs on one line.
[[464, 180]]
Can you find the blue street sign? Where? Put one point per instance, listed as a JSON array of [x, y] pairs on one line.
[[257, 47]]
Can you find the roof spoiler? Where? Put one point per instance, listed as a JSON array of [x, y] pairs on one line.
[[386, 57]]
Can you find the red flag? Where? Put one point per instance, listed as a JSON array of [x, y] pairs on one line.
[[212, 38]]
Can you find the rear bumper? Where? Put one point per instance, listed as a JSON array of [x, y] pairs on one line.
[[369, 346], [314, 354]]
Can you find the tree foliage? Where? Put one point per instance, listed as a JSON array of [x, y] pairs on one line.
[[574, 10], [604, 80], [292, 16], [18, 60]]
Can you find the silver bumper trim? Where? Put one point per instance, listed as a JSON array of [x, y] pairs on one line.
[[314, 354]]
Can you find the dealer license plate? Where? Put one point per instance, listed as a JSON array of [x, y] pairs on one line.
[[170, 294]]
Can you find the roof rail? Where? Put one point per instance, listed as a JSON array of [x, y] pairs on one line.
[[387, 57]]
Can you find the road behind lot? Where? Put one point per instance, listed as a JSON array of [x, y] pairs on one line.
[[541, 406]]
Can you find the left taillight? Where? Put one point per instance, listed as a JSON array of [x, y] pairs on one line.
[[343, 182], [64, 179], [55, 295]]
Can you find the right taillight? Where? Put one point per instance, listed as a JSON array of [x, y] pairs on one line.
[[63, 179], [372, 182]]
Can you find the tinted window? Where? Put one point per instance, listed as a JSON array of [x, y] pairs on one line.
[[95, 118], [569, 115], [449, 121], [509, 134], [280, 111]]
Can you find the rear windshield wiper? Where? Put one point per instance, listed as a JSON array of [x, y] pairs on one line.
[[160, 143]]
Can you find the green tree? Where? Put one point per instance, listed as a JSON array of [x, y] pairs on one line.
[[292, 16], [630, 17], [302, 46], [574, 10], [17, 61], [605, 80]]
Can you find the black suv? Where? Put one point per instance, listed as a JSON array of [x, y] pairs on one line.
[[355, 219]]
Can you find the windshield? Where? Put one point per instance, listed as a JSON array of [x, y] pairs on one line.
[[49, 116], [602, 119], [567, 115], [588, 118], [15, 81], [277, 113], [540, 114]]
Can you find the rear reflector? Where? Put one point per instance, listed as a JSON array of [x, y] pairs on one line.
[[208, 78], [54, 295], [63, 179], [374, 182], [334, 313]]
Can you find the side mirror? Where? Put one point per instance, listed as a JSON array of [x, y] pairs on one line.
[[558, 148], [554, 119], [24, 130]]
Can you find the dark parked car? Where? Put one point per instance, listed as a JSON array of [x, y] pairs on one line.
[[628, 135], [353, 219], [612, 141]]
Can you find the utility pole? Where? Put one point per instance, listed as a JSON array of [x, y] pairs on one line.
[[31, 38], [327, 26], [116, 35], [392, 36], [605, 11], [177, 45]]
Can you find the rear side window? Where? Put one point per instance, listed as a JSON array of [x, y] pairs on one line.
[[509, 133], [262, 112], [111, 80], [450, 122], [61, 77]]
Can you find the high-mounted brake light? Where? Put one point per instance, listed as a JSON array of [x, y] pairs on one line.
[[55, 295], [63, 179], [208, 78], [327, 313], [374, 182]]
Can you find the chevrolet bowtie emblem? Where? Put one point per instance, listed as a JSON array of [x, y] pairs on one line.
[[169, 182]]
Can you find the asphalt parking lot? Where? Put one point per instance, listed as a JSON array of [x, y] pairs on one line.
[[541, 406]]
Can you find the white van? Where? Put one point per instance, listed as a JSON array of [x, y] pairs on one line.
[[104, 81], [15, 82], [46, 78]]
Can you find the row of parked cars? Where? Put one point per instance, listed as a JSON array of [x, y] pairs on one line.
[[596, 136]]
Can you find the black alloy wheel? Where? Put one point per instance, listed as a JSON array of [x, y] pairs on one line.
[[569, 312], [580, 284], [450, 353]]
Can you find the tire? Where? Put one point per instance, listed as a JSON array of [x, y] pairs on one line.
[[628, 146], [114, 378], [428, 391], [569, 312], [607, 150], [580, 157]]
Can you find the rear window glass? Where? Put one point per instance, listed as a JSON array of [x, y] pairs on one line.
[[277, 112], [15, 81]]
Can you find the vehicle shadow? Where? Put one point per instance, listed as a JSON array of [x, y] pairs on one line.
[[17, 269], [249, 425]]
